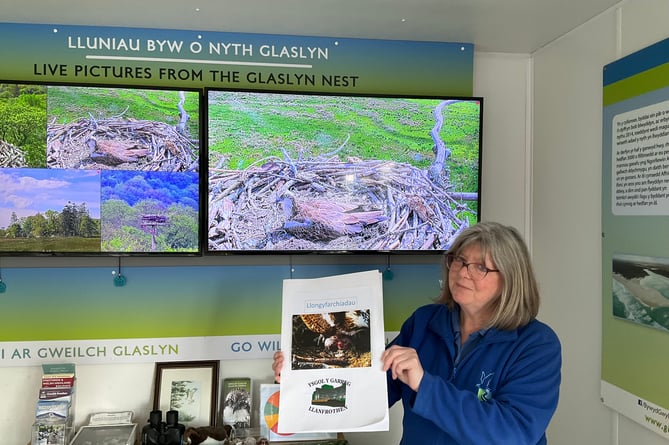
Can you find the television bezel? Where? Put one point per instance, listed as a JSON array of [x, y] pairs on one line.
[[251, 252]]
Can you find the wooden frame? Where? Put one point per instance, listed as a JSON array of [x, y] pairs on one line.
[[189, 387]]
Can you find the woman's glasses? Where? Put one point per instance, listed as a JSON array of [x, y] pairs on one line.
[[476, 271]]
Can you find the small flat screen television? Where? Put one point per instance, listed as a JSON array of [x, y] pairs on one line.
[[329, 173], [93, 170]]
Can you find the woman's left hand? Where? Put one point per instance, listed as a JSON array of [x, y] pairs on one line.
[[404, 364]]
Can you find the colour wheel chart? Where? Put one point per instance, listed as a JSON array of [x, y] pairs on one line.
[[271, 414]]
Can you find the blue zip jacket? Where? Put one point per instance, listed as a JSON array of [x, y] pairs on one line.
[[503, 391]]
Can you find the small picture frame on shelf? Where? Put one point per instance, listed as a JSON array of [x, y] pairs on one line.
[[189, 387]]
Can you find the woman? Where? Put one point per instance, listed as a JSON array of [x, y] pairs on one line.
[[476, 367]]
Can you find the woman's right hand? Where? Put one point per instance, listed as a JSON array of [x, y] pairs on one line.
[[404, 364], [277, 364]]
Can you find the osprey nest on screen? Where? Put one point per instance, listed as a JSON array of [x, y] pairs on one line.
[[330, 204], [120, 143]]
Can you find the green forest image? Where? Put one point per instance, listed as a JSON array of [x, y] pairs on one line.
[[43, 210], [22, 125], [149, 211], [340, 172]]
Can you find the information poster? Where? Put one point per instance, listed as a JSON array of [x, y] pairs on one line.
[[635, 246]]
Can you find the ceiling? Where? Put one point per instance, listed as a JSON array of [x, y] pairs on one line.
[[511, 26]]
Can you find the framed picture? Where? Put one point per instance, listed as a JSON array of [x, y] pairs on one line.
[[190, 388]]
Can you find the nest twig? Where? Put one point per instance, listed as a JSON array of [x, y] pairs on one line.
[[11, 156], [245, 211], [133, 145]]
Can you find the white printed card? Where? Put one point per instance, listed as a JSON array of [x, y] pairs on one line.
[[332, 337]]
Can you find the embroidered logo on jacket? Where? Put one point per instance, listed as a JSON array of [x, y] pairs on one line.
[[484, 392]]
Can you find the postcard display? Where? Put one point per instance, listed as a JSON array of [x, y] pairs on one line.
[[54, 417], [332, 335]]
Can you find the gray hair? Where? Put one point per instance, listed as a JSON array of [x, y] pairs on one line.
[[518, 303]]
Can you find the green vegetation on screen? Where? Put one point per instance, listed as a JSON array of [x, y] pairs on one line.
[[23, 120], [67, 104], [127, 195], [258, 127]]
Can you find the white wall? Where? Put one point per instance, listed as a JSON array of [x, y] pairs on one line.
[[502, 80], [566, 187], [566, 214]]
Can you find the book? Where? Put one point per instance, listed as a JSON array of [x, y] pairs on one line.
[[61, 375], [58, 382], [58, 369], [61, 394], [49, 409], [236, 402]]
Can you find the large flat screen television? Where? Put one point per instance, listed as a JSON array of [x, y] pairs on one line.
[[93, 170], [297, 173]]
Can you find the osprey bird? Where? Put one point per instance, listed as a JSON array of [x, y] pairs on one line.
[[113, 152], [336, 329], [237, 408], [320, 219]]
